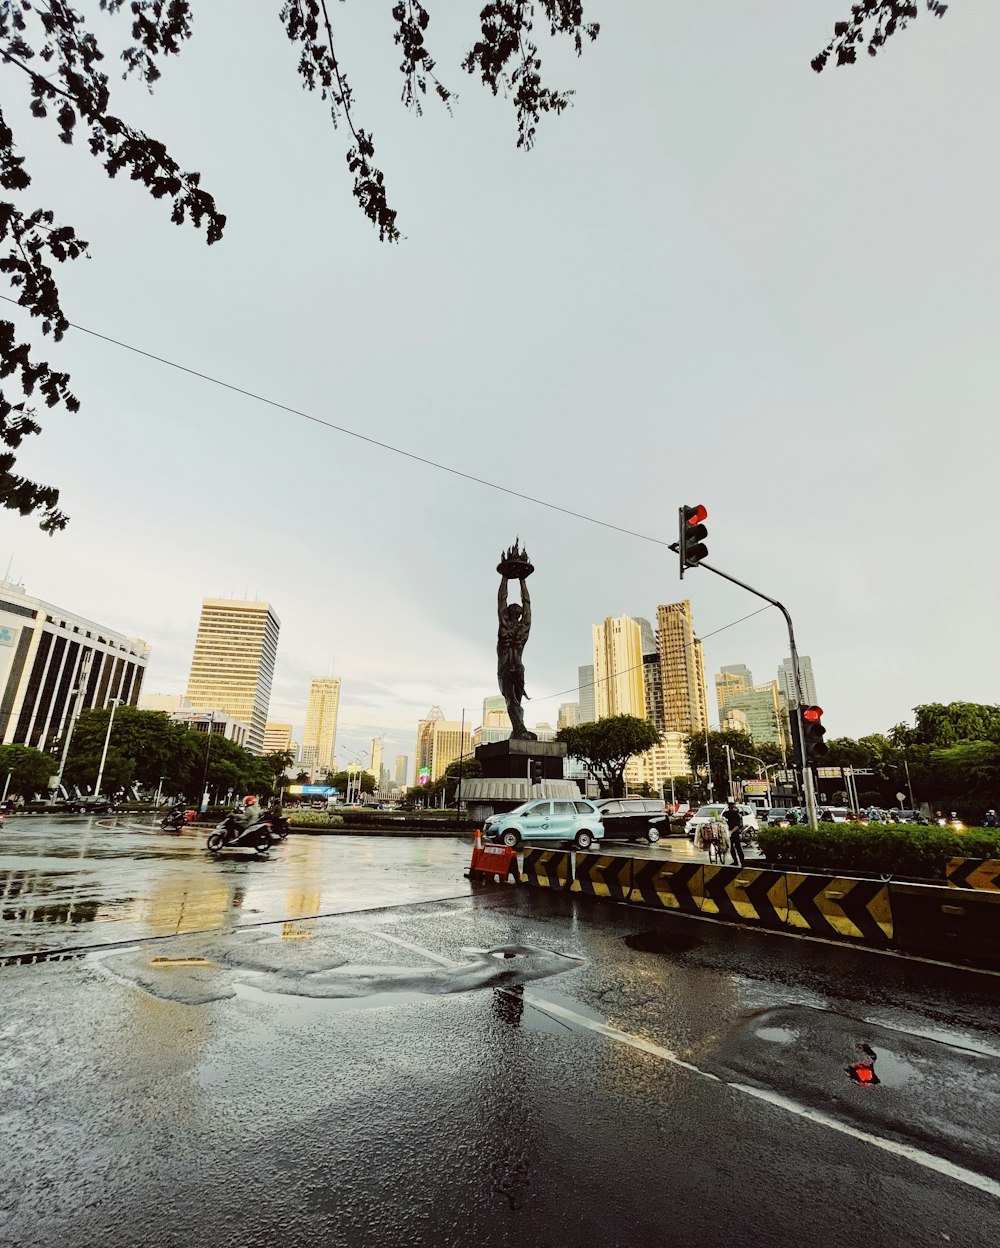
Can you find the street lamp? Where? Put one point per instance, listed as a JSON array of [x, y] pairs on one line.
[[114, 703]]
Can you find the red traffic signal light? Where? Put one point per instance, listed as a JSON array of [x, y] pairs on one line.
[[691, 538], [812, 714], [813, 732]]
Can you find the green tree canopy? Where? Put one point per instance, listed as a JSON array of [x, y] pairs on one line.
[[604, 748], [743, 761], [940, 726], [29, 770], [365, 778]]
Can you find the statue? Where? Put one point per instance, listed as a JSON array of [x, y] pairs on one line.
[[515, 624]]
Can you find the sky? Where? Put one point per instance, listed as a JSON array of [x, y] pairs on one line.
[[718, 278]]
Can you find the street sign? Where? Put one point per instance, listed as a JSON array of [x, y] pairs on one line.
[[828, 773], [900, 797], [755, 788]]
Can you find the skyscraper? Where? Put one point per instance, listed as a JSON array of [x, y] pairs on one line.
[[758, 711], [618, 679], [729, 683], [786, 681], [277, 737], [652, 679], [440, 741], [585, 679], [399, 775], [682, 666], [233, 662], [375, 763], [569, 715], [320, 736], [647, 638]]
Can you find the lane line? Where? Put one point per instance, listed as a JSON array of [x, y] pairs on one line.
[[406, 944], [909, 1152], [931, 1162]]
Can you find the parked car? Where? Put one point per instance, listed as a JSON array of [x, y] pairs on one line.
[[705, 814], [544, 820], [84, 805], [633, 818]]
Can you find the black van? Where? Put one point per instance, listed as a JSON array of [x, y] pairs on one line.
[[633, 818]]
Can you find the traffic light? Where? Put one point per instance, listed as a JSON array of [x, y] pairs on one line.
[[813, 733], [691, 537], [536, 771]]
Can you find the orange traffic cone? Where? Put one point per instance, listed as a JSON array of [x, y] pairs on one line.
[[479, 839], [477, 849]]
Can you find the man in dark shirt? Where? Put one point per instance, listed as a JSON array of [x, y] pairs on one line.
[[734, 822]]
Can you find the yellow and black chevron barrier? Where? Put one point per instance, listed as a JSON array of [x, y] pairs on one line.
[[832, 906], [745, 894], [981, 873], [603, 875], [547, 868], [667, 885]]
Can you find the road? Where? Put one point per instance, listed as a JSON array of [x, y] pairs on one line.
[[608, 1076]]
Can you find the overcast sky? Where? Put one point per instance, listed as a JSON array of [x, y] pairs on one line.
[[718, 278]]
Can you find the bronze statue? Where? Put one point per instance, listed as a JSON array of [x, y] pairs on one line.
[[515, 624]]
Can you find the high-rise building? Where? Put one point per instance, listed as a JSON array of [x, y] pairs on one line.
[[652, 682], [53, 663], [730, 682], [277, 738], [399, 775], [757, 711], [618, 680], [375, 762], [647, 638], [682, 667], [786, 681], [495, 704], [234, 654], [545, 732], [320, 736], [658, 766], [440, 741], [569, 715], [585, 680]]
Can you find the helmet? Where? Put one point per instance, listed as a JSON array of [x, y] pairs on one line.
[[251, 801]]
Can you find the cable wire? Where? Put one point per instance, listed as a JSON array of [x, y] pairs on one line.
[[353, 433]]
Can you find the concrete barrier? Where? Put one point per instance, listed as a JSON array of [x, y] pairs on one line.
[[603, 875], [745, 894], [957, 925], [667, 885], [547, 868], [981, 873], [840, 907]]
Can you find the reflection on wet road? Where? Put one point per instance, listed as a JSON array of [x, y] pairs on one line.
[[74, 882]]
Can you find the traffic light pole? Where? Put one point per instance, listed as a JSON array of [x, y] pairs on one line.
[[807, 775]]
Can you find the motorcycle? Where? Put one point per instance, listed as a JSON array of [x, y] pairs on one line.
[[174, 821], [269, 830]]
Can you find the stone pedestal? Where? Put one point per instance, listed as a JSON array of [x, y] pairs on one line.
[[506, 781]]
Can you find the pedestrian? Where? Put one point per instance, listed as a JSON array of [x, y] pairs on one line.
[[992, 820], [732, 817], [742, 835]]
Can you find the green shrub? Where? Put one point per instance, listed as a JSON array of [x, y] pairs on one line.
[[881, 848], [314, 819]]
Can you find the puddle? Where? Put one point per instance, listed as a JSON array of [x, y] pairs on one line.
[[662, 942], [328, 1005], [777, 1035]]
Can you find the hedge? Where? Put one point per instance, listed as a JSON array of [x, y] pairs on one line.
[[882, 848], [313, 819]]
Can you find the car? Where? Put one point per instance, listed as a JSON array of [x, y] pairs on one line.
[[779, 817], [834, 814], [547, 820], [633, 818], [705, 814]]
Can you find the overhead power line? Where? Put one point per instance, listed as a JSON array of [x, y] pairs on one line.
[[353, 433]]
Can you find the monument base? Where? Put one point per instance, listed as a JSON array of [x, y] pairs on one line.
[[507, 779], [512, 759]]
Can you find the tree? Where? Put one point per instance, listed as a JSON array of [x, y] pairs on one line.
[[361, 781], [605, 747], [742, 763], [59, 62], [29, 770], [939, 725], [274, 766]]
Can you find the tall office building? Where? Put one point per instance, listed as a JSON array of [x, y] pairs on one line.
[[277, 738], [647, 638], [730, 682], [618, 679], [399, 775], [440, 741], [682, 667], [234, 654], [652, 680], [569, 715], [53, 663], [786, 681], [375, 762], [320, 736], [757, 710], [585, 680]]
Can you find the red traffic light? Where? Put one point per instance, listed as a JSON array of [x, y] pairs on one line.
[[812, 714], [695, 515]]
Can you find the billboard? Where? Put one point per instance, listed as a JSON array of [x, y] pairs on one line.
[[755, 788], [309, 790], [424, 775]]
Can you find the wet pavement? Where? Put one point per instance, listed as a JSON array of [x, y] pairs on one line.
[[497, 1066]]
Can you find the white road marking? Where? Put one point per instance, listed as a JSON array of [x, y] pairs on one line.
[[929, 1161]]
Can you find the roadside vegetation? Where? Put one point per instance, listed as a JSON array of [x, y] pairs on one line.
[[882, 849]]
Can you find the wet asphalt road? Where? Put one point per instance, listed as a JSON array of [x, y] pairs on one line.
[[620, 1077]]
